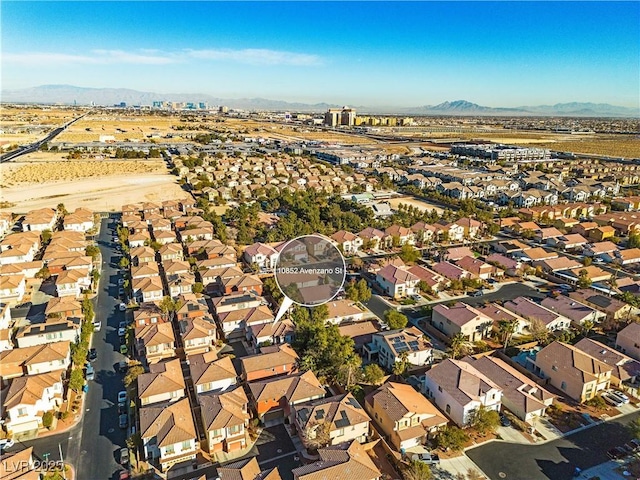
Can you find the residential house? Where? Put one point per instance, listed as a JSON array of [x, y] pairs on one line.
[[520, 395], [403, 415], [347, 460], [568, 242], [225, 417], [247, 469], [141, 255], [331, 421], [163, 383], [348, 242], [198, 334], [46, 358], [537, 254], [509, 265], [477, 268], [50, 331], [577, 312], [80, 220], [456, 253], [168, 433], [39, 220], [529, 310], [461, 318], [145, 270], [575, 373], [555, 264], [459, 390], [408, 344], [612, 307], [450, 271], [63, 307], [272, 399], [28, 398], [242, 284], [601, 233], [595, 250], [628, 340], [625, 368], [147, 289], [498, 314], [12, 288], [371, 237], [397, 282], [343, 311], [472, 228], [273, 361], [433, 280], [155, 342], [171, 251], [210, 373], [147, 314], [402, 235], [180, 283], [264, 257]]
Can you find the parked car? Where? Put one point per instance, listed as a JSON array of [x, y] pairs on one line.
[[477, 293], [122, 397], [123, 366], [619, 395], [122, 329], [123, 349], [121, 291], [6, 443], [97, 326], [504, 420], [122, 307], [611, 400], [120, 281], [122, 409], [92, 355], [90, 372], [416, 297], [124, 456], [616, 453], [123, 421], [428, 458], [124, 475]]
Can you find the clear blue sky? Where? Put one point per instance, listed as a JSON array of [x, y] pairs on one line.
[[355, 53]]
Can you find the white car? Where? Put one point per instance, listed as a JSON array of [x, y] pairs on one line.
[[611, 400], [122, 398], [6, 443], [122, 307], [619, 395]]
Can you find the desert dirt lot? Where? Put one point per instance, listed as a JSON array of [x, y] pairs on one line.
[[44, 179], [394, 202]]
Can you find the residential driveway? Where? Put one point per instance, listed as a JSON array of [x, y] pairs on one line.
[[555, 460]]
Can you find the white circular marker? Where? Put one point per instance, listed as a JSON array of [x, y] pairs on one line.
[[310, 271]]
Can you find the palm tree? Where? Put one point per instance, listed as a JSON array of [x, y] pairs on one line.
[[400, 367], [507, 328], [587, 326], [457, 343]]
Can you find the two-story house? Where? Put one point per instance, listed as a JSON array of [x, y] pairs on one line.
[[155, 342], [210, 373], [461, 318], [225, 417], [628, 340], [163, 383], [403, 415], [397, 282], [408, 344], [459, 389], [273, 361]]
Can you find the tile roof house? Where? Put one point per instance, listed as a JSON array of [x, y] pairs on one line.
[[349, 242], [520, 395], [263, 256], [537, 254], [225, 417], [276, 333], [344, 461], [625, 368], [450, 271], [247, 469], [373, 236], [477, 268], [155, 342], [612, 307], [529, 310], [163, 383], [19, 465], [50, 331], [568, 307], [397, 282], [272, 399], [388, 348], [140, 255], [575, 373], [168, 433], [598, 248], [628, 340], [461, 318], [456, 253], [144, 270], [459, 389], [273, 361], [555, 264], [211, 373], [171, 251], [330, 421], [33, 360], [236, 322], [147, 289], [72, 282], [343, 311], [198, 334], [432, 279], [28, 398], [403, 415]]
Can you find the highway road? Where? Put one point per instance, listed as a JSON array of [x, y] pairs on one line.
[[24, 149], [93, 444]]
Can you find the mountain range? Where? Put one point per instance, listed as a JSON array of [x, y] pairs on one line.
[[69, 94]]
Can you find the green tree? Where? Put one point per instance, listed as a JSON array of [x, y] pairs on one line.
[[634, 240], [76, 380], [92, 251], [417, 471], [395, 319], [352, 292], [373, 374], [364, 292], [169, 306], [586, 261], [135, 369], [47, 419], [123, 263], [583, 279], [458, 345], [507, 328], [485, 420], [401, 364], [46, 235], [409, 254], [62, 209], [197, 287], [43, 273], [587, 326], [452, 437]]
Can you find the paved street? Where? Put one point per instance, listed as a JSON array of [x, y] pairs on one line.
[[555, 460], [92, 445]]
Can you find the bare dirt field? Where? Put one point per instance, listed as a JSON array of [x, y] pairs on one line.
[[421, 204], [22, 125], [107, 193]]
